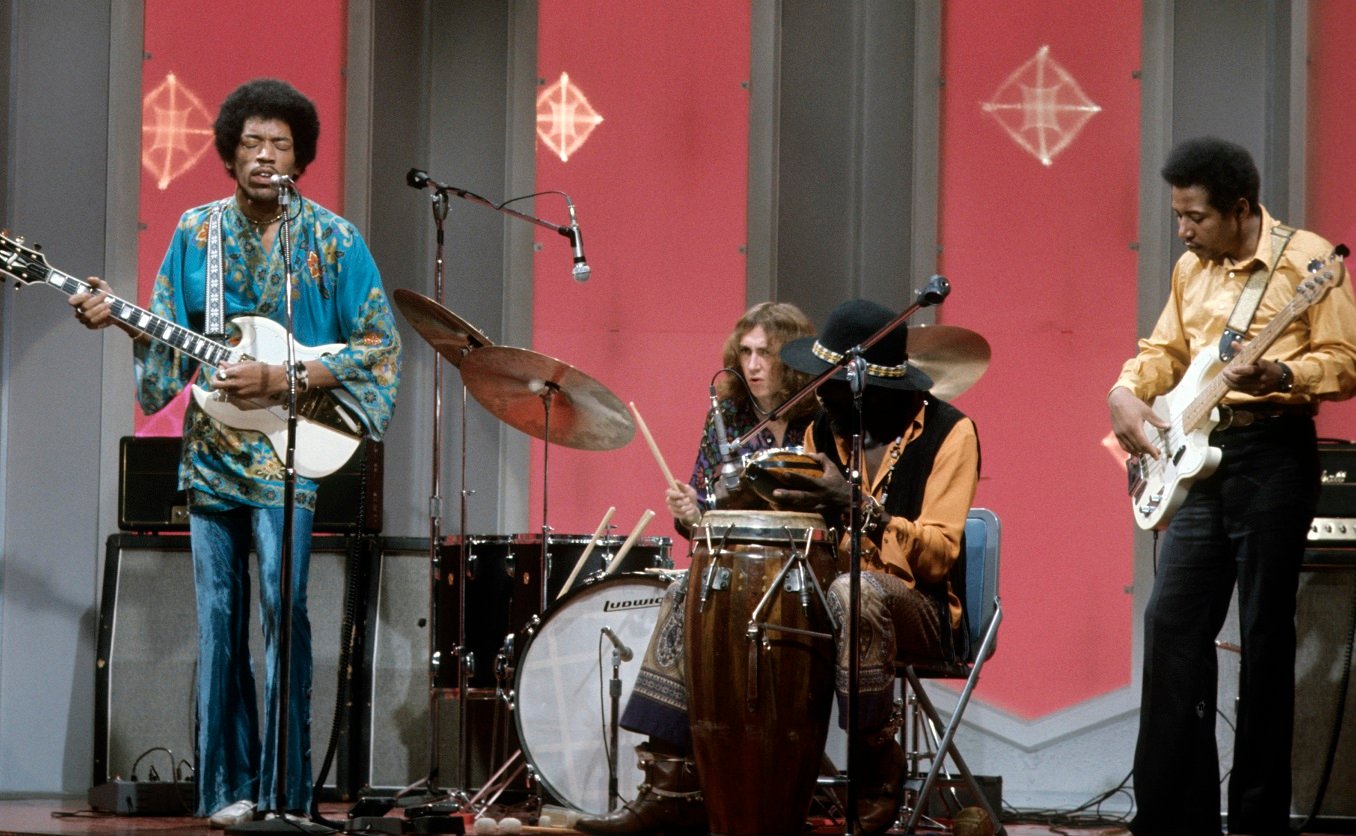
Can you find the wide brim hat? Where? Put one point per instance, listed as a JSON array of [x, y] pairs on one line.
[[850, 324]]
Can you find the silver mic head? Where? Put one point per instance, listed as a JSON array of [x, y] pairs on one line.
[[282, 181], [581, 271]]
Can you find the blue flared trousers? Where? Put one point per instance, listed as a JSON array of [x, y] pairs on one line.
[[231, 763]]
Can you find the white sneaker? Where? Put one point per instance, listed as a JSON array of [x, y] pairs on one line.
[[232, 814], [294, 819]]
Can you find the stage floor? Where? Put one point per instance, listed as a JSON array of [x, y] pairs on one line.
[[52, 816], [43, 816]]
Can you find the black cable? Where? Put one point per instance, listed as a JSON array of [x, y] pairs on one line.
[[1087, 814]]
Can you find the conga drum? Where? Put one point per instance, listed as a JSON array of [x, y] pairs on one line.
[[759, 652]]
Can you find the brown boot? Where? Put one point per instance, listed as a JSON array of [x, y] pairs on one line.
[[670, 800], [879, 779]]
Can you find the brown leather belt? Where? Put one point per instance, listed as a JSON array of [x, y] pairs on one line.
[[1233, 417]]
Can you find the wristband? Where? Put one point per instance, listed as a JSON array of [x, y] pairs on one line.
[[1287, 378]]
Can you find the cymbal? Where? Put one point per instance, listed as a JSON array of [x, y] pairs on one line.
[[954, 357], [511, 382], [449, 334]]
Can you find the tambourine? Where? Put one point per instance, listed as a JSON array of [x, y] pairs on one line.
[[789, 468]]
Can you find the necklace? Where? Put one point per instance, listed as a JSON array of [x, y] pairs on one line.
[[261, 224]]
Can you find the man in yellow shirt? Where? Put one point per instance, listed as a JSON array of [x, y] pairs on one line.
[[1246, 523]]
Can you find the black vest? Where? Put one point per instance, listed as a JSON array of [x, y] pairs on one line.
[[905, 499]]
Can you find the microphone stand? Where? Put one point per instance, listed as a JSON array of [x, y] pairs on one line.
[[419, 179], [933, 293], [439, 207], [614, 706], [855, 367], [282, 705]]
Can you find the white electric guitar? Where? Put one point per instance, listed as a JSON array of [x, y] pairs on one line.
[[1158, 487], [328, 427]]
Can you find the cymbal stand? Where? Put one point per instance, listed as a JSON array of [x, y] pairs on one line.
[[548, 394]]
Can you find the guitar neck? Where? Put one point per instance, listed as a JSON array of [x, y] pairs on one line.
[[1213, 392], [200, 348]]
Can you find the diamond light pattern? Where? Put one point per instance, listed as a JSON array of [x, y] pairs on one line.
[[176, 130], [565, 118], [1041, 106]]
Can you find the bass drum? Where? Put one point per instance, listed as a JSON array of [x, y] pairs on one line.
[[561, 698]]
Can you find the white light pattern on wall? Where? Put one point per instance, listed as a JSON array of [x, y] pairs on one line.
[[1041, 107], [176, 130], [565, 118]]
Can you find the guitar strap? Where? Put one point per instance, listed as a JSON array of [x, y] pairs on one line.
[[215, 302], [1246, 306]]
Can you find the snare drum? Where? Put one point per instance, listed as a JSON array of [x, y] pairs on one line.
[[562, 702], [760, 653]]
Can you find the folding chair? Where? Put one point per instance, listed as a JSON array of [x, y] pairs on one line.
[[976, 579]]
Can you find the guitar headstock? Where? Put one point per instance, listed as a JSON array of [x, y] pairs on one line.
[[23, 263], [1321, 274]]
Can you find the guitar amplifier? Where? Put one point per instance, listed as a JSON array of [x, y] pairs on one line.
[[149, 500], [1335, 518]]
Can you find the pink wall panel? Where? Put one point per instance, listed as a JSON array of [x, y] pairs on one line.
[[661, 190], [1041, 262], [1332, 154], [197, 52]]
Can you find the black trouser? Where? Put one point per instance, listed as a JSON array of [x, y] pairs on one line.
[[1245, 525]]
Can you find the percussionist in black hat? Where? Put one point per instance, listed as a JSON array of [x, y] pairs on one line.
[[921, 467]]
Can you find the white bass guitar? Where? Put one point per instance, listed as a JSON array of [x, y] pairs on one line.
[[1158, 487]]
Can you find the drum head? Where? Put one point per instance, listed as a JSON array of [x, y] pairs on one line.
[[563, 707]]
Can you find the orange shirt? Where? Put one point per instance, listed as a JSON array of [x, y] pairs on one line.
[[925, 548]]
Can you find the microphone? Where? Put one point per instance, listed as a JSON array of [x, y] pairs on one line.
[[282, 181], [416, 178], [934, 292], [581, 267], [729, 474], [622, 650]]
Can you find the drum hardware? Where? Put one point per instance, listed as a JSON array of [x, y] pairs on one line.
[[714, 573], [620, 653]]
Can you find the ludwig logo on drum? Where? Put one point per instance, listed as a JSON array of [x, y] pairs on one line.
[[632, 604]]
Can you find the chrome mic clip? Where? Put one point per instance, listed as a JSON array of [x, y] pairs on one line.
[[729, 473], [623, 652]]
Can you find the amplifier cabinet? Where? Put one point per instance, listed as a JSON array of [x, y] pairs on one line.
[[145, 671], [149, 500], [1335, 518]]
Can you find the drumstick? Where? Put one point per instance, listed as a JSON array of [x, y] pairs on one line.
[[630, 541], [654, 448], [588, 550]]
